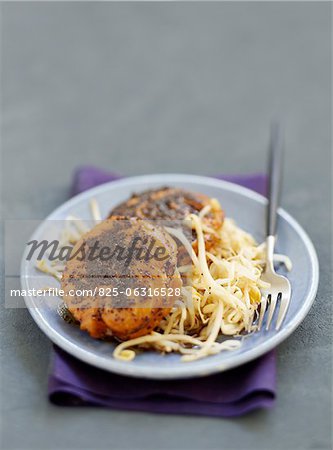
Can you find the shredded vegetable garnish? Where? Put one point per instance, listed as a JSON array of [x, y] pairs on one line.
[[42, 266], [95, 211], [221, 301]]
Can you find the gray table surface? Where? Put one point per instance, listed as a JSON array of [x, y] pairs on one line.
[[144, 88]]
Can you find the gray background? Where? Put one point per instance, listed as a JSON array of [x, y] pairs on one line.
[[139, 88]]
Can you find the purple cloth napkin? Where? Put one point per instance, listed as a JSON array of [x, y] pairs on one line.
[[232, 393]]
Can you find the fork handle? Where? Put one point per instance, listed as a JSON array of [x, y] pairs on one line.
[[276, 148]]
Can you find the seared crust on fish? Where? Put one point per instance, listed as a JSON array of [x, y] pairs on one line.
[[167, 204]]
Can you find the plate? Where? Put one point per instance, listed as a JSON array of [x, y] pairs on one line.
[[239, 203]]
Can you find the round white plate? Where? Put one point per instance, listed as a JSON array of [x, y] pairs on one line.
[[239, 203]]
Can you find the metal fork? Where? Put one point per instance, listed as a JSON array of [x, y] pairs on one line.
[[279, 292]]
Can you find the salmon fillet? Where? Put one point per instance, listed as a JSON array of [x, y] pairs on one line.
[[170, 204], [123, 316]]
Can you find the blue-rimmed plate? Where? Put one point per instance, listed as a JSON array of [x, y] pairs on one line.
[[239, 203]]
